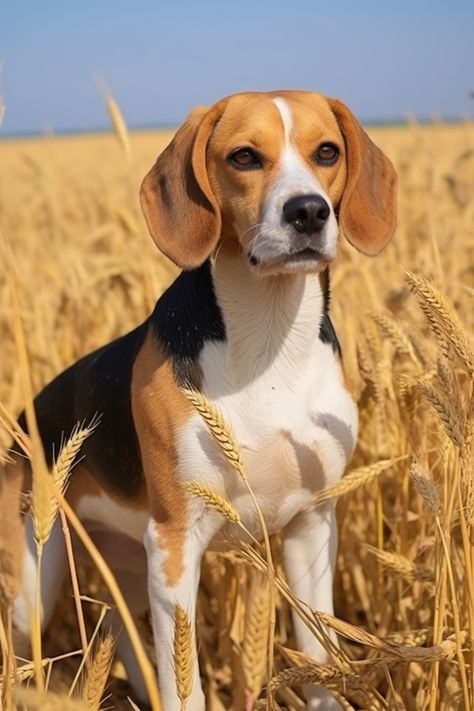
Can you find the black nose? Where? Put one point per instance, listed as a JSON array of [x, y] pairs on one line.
[[307, 213]]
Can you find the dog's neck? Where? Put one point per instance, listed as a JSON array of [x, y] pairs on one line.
[[267, 318]]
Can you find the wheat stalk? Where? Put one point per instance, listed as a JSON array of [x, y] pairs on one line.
[[218, 428], [352, 481], [443, 651], [98, 668], [399, 564], [448, 416], [14, 429], [129, 624], [120, 127], [319, 674], [426, 488], [447, 379], [467, 470], [2, 102], [213, 499], [443, 320], [44, 505], [255, 643], [183, 654], [395, 333]]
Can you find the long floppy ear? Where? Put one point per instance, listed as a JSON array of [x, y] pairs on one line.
[[367, 213], [179, 207]]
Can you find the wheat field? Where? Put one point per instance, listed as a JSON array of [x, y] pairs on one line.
[[77, 268]]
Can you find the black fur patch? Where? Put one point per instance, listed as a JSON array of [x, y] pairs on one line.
[[327, 334], [97, 385], [185, 317]]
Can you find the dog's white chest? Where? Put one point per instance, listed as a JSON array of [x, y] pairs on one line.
[[294, 421]]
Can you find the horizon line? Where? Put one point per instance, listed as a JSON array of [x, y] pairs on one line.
[[49, 132]]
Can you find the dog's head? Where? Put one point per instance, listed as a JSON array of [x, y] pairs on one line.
[[279, 172]]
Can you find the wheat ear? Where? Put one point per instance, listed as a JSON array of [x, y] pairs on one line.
[[255, 644], [352, 481], [217, 427], [395, 333], [399, 564], [443, 320], [426, 488], [183, 655], [98, 668], [213, 499], [120, 127], [45, 507], [448, 416]]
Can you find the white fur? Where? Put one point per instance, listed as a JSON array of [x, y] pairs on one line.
[[279, 387], [112, 515], [275, 239], [52, 569], [164, 598]]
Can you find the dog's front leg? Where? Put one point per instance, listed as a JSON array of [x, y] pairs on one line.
[[309, 550], [174, 560]]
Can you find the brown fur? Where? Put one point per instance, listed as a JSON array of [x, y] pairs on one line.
[[159, 410], [368, 208]]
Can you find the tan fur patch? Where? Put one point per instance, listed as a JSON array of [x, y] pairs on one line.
[[159, 410]]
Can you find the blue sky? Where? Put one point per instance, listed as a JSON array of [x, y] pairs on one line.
[[385, 59]]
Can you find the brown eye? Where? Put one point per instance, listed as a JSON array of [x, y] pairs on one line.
[[327, 154], [245, 159]]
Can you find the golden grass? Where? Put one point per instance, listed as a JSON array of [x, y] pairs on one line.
[[85, 271]]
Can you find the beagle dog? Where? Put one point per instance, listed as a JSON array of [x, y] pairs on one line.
[[248, 199]]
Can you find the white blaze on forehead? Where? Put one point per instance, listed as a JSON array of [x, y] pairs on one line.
[[294, 176], [286, 117]]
